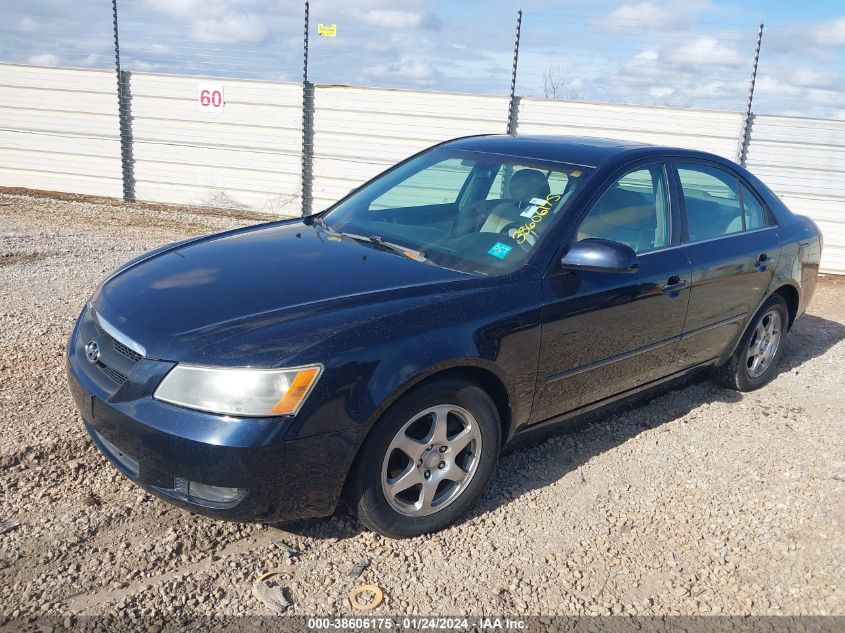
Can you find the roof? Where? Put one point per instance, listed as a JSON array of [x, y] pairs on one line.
[[579, 150]]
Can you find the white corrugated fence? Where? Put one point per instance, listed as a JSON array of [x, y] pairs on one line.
[[705, 130], [248, 156], [359, 132], [59, 131], [803, 161]]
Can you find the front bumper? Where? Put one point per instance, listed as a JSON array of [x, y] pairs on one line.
[[158, 445]]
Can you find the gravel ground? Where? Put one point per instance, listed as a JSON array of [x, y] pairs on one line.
[[701, 501]]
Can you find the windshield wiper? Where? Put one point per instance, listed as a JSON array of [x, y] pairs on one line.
[[396, 248], [374, 239]]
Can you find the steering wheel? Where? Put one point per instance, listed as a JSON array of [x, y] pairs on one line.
[[531, 236]]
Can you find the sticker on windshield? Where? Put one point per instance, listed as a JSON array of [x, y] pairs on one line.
[[533, 205], [500, 250], [521, 234]]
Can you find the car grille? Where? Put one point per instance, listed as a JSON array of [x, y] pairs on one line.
[[115, 375], [131, 354], [107, 365]]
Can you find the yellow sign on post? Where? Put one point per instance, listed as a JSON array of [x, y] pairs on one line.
[[327, 30]]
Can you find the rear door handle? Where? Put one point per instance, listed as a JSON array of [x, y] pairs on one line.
[[761, 262], [674, 284]]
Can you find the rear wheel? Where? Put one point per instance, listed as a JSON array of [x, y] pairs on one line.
[[754, 363], [427, 460]]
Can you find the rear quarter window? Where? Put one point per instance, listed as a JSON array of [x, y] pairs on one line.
[[755, 212]]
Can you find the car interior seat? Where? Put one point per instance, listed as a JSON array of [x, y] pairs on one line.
[[623, 216], [735, 225], [703, 218], [522, 187]]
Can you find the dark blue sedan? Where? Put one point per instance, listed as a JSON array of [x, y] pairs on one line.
[[384, 351]]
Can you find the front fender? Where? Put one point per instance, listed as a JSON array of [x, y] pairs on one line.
[[390, 386], [371, 363]]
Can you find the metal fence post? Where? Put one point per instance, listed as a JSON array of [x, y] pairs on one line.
[[748, 119], [127, 139], [124, 118], [513, 105], [307, 129]]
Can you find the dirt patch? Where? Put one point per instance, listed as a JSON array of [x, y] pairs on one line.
[[7, 259]]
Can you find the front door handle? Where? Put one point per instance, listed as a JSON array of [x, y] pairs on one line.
[[674, 284]]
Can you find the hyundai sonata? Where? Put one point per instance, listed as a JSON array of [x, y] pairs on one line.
[[384, 351]]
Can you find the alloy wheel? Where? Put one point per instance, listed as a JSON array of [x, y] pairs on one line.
[[431, 460], [764, 344]]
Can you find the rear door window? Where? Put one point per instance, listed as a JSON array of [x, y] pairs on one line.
[[718, 203], [712, 201]]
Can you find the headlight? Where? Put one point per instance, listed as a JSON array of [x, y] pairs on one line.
[[247, 392]]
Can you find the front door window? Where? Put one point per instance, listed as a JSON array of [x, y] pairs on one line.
[[633, 211]]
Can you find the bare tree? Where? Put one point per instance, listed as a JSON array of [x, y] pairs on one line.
[[558, 84]]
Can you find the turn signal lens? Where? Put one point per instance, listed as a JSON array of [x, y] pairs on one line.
[[299, 388]]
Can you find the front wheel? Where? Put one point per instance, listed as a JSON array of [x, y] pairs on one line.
[[754, 362], [427, 461]]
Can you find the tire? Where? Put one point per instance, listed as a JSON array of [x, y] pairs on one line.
[[747, 370], [400, 496]]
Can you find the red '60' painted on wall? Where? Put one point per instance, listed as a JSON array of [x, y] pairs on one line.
[[211, 98]]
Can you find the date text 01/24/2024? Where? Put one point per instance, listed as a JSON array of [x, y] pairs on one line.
[[417, 623]]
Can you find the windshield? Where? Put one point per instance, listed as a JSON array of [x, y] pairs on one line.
[[469, 211]]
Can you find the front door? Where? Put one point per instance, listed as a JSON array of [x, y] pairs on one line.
[[606, 332]]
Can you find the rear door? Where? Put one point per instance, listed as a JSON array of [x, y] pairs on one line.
[[733, 246], [607, 332]]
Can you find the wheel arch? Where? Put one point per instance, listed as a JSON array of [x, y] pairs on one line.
[[490, 382], [792, 297], [788, 293], [484, 377], [475, 370]]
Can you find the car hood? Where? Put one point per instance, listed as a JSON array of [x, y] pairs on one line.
[[197, 294]]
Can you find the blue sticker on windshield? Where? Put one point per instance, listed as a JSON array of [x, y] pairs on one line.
[[500, 250]]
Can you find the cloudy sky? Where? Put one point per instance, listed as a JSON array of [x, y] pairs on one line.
[[666, 52]]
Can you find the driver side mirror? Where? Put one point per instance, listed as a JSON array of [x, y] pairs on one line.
[[600, 256]]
